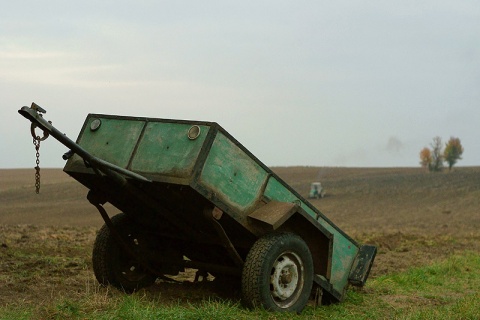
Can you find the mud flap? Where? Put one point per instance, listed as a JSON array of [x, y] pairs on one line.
[[362, 265]]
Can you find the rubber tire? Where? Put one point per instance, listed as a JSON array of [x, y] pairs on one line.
[[259, 266], [112, 265]]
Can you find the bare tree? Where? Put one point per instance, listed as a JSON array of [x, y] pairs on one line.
[[437, 155]]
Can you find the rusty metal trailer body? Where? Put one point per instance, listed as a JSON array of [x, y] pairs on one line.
[[192, 190]]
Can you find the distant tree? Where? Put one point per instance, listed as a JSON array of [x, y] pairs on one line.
[[453, 152], [426, 158], [437, 155]]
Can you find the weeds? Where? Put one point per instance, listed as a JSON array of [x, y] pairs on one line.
[[444, 290]]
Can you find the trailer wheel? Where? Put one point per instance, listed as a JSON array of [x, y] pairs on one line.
[[278, 273], [112, 265]]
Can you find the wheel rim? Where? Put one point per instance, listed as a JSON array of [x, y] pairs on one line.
[[130, 269], [286, 279]]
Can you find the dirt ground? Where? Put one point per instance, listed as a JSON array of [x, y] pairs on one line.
[[413, 217]]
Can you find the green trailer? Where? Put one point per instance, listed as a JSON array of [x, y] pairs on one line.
[[192, 196]]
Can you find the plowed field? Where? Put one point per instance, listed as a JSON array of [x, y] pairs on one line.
[[414, 218]]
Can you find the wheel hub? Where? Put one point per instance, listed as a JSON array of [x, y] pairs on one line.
[[284, 278]]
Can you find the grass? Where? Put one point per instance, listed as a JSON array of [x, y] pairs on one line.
[[444, 290]]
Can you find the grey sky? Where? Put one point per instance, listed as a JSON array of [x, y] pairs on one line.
[[324, 83]]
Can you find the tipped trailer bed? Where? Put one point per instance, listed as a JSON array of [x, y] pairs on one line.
[[192, 196]]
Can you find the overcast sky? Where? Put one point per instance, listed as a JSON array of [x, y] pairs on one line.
[[320, 83]]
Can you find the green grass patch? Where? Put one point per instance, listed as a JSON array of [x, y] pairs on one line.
[[444, 290]]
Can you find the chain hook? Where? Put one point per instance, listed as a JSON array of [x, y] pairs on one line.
[[34, 134]]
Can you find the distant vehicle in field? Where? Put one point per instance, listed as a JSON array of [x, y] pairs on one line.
[[316, 191]]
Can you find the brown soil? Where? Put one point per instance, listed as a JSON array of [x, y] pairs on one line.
[[413, 217]]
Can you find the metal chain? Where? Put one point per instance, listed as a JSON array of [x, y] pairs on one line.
[[36, 143]]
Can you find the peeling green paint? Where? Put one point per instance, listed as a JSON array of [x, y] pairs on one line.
[[166, 149], [114, 141], [232, 175]]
